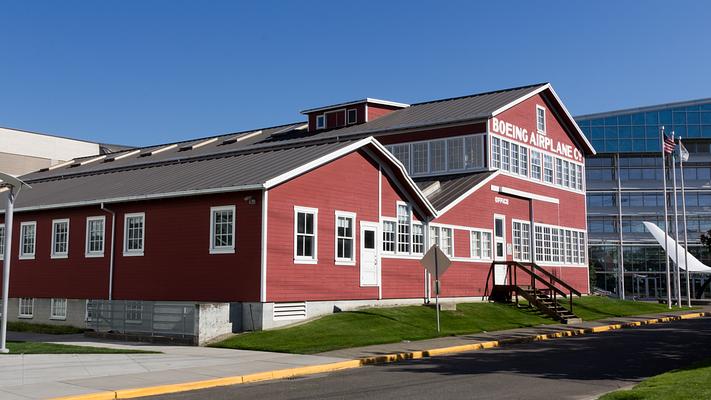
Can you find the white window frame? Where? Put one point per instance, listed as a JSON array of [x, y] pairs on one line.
[[321, 121], [421, 244], [53, 252], [134, 252], [392, 221], [230, 249], [136, 307], [306, 259], [2, 245], [20, 301], [342, 260], [543, 122], [348, 116], [88, 253], [53, 315], [524, 246], [397, 227], [23, 255]]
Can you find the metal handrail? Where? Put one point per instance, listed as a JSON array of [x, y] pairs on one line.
[[556, 279], [531, 272], [533, 276]]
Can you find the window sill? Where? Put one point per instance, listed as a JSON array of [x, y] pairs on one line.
[[32, 257], [346, 263], [58, 318], [59, 256], [93, 255], [305, 261], [132, 254], [24, 316], [222, 251]]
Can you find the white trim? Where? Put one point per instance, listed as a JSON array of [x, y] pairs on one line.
[[545, 123], [304, 259], [28, 256], [322, 118], [124, 155], [19, 308], [538, 149], [87, 252], [129, 253], [244, 136], [521, 193], [513, 243], [223, 249], [345, 261], [2, 246], [160, 150], [265, 219], [560, 103], [468, 192], [53, 253], [503, 237], [354, 102], [52, 310], [91, 160], [198, 145]]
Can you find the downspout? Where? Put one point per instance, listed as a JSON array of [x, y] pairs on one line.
[[111, 255]]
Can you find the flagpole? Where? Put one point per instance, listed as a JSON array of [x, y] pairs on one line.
[[677, 269], [666, 218], [683, 153]]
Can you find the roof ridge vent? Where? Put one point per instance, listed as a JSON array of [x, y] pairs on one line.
[[91, 160], [122, 156], [197, 145], [160, 150], [242, 137], [433, 187]]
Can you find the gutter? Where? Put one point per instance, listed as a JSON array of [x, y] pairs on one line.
[[111, 255]]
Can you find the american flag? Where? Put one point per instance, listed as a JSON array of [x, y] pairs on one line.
[[669, 144]]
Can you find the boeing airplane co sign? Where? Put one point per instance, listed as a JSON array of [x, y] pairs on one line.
[[534, 138]]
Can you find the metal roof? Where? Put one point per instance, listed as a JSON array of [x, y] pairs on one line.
[[656, 107], [451, 187]]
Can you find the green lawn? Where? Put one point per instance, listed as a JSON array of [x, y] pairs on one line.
[[51, 348], [685, 384], [390, 325], [20, 326]]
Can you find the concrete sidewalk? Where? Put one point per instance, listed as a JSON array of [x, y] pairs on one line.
[[41, 376], [57, 375]]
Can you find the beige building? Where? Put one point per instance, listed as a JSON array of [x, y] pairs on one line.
[[22, 152]]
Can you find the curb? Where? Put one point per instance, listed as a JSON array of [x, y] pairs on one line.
[[351, 364]]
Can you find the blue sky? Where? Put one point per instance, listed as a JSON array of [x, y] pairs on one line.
[[143, 72]]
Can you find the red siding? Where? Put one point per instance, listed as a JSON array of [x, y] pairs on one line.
[[378, 110], [176, 264]]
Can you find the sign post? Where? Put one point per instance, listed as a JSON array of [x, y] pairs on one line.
[[436, 263]]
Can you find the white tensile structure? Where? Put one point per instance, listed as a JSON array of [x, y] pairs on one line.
[[694, 264]]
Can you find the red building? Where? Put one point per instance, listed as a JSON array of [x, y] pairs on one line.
[[291, 221]]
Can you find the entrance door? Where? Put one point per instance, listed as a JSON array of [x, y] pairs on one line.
[[499, 249], [651, 288], [369, 255]]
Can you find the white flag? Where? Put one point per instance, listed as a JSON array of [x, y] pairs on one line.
[[683, 152]]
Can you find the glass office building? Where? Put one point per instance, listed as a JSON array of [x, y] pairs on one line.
[[624, 189]]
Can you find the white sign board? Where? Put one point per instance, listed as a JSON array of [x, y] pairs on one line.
[[435, 262]]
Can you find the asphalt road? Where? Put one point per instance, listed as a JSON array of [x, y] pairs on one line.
[[573, 368]]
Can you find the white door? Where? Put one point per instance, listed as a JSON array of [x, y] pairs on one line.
[[500, 249], [369, 255]]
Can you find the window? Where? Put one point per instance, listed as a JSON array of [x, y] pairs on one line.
[[486, 245], [555, 249], [404, 220], [514, 158], [581, 249], [521, 241], [539, 243], [540, 119], [434, 235], [579, 174], [568, 246], [133, 234], [60, 238], [576, 248], [222, 229], [305, 234], [28, 231], [345, 237], [480, 244], [566, 174], [495, 152], [58, 309], [418, 238], [320, 121], [447, 241], [95, 236], [441, 155], [475, 237], [27, 306], [134, 312], [558, 171], [523, 161], [548, 168], [2, 241], [389, 236], [352, 116], [505, 155], [535, 165]]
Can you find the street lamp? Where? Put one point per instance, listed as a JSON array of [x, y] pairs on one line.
[[12, 186]]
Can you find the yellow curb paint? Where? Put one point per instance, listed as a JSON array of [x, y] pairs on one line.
[[350, 364]]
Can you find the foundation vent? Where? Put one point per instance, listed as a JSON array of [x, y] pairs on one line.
[[287, 311]]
